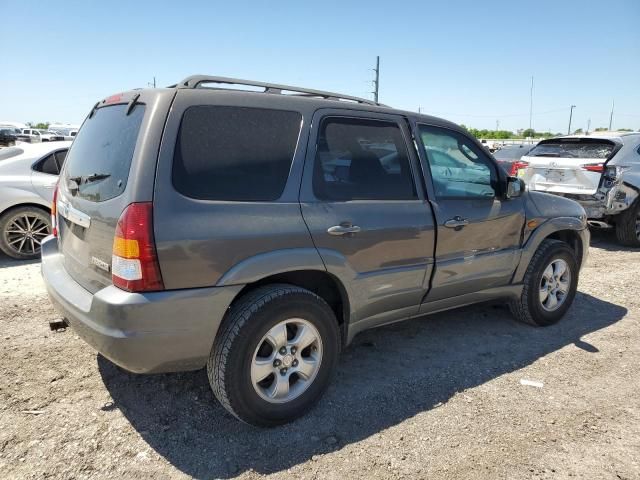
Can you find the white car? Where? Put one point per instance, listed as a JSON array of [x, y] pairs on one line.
[[28, 175], [600, 171]]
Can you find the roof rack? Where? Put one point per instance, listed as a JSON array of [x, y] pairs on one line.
[[195, 81]]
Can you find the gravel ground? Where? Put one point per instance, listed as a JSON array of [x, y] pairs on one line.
[[439, 397]]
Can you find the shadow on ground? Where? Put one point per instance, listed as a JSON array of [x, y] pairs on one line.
[[388, 375], [6, 261], [606, 240]]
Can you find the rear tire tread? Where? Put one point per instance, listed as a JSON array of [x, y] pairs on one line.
[[626, 226]]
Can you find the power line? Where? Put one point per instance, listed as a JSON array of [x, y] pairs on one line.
[[376, 82]]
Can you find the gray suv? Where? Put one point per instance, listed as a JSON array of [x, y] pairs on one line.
[[257, 232]]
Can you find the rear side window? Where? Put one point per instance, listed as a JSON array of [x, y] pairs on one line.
[[100, 159], [574, 148], [235, 153], [358, 159], [48, 165]]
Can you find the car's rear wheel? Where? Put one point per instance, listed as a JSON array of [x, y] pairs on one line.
[[274, 355], [628, 226], [22, 230], [549, 285]]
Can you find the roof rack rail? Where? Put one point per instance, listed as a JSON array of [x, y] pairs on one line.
[[194, 81]]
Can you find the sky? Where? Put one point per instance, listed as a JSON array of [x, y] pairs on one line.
[[467, 61]]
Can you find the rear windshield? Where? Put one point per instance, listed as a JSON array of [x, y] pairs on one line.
[[511, 153], [97, 165], [574, 148]]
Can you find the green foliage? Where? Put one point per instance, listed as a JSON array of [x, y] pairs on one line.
[[529, 132], [578, 131], [624, 130], [601, 129], [39, 126]]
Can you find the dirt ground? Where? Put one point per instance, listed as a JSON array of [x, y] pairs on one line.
[[439, 397]]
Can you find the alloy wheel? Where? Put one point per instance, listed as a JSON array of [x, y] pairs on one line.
[[24, 233], [555, 285], [286, 360]]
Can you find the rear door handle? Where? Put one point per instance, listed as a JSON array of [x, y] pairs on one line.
[[456, 222], [343, 229]]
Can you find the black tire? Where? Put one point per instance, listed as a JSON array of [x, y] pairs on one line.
[[528, 308], [229, 365], [7, 239], [627, 226]]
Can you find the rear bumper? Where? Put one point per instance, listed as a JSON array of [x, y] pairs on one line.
[[143, 333]]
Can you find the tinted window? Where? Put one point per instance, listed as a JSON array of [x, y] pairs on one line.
[[574, 148], [101, 156], [511, 153], [235, 153], [48, 165], [359, 159], [458, 167]]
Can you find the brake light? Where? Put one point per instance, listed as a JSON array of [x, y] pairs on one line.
[[54, 211], [515, 166], [593, 167], [134, 263]]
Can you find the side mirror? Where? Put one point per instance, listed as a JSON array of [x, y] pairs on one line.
[[515, 187]]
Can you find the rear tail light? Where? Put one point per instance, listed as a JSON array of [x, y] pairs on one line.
[[54, 211], [518, 165], [593, 167], [134, 264]]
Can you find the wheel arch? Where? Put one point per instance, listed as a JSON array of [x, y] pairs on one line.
[[566, 229], [41, 206], [320, 282]]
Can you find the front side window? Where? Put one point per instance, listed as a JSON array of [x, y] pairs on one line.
[[235, 153], [359, 159], [459, 169]]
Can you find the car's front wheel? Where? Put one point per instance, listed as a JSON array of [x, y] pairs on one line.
[[274, 355], [22, 230], [550, 285]]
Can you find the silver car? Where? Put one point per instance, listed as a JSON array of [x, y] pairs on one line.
[[28, 176], [601, 171]]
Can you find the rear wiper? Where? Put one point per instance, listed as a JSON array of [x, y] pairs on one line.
[[89, 178]]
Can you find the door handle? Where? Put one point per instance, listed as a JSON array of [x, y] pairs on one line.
[[456, 222], [343, 229]]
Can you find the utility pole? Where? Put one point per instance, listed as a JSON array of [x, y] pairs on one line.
[[613, 103], [152, 84], [588, 126], [376, 82], [531, 105], [497, 125], [570, 115]]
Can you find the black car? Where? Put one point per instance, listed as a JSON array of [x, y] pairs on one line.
[[8, 137]]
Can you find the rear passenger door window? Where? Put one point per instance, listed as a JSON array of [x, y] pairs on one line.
[[359, 159], [48, 165], [235, 153]]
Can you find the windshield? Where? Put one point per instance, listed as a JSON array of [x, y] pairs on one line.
[[98, 163], [574, 148]]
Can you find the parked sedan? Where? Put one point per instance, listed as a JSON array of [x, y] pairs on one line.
[[601, 172], [509, 157], [28, 175]]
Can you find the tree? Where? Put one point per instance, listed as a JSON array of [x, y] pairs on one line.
[[601, 129], [625, 130], [40, 125], [577, 132], [529, 132]]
